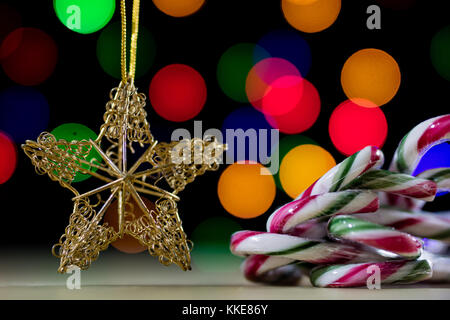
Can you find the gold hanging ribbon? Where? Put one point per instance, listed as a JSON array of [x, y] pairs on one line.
[[134, 36]]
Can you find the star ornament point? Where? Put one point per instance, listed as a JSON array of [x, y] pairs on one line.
[[160, 172]]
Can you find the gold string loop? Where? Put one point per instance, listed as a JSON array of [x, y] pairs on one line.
[[129, 75]]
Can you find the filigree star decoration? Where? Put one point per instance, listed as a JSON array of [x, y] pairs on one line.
[[158, 229]]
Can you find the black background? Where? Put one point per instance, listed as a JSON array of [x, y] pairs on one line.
[[35, 210]]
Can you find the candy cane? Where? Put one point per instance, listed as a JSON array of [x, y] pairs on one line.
[[439, 175], [420, 224], [357, 275], [395, 183], [375, 235], [419, 140], [412, 147], [346, 202], [352, 167], [245, 243]]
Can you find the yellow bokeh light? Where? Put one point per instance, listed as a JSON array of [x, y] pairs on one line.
[[311, 15], [302, 166], [246, 190], [371, 74], [179, 8]]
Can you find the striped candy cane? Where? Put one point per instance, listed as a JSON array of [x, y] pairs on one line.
[[343, 173], [420, 224], [412, 147], [357, 275], [439, 175], [395, 183], [244, 243], [345, 202], [375, 235]]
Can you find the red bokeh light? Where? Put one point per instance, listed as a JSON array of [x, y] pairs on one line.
[[270, 77], [353, 127], [8, 157], [303, 115], [282, 95], [177, 92], [28, 56]]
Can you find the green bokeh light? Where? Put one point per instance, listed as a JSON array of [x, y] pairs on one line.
[[440, 52], [234, 66], [77, 132], [108, 50], [212, 245], [284, 146], [84, 16]]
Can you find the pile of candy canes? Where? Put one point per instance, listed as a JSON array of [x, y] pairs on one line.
[[357, 218]]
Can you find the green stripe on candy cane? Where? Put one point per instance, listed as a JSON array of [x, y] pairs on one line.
[[317, 272], [341, 202], [343, 171], [437, 175], [378, 180], [297, 248], [401, 163], [339, 225], [421, 270]]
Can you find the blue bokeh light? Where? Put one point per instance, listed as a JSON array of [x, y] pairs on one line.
[[288, 45], [436, 157], [24, 113]]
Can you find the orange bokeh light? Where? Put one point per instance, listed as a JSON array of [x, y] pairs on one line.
[[179, 8], [246, 189], [311, 15], [302, 166], [370, 74]]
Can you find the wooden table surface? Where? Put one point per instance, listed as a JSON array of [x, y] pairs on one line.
[[31, 274]]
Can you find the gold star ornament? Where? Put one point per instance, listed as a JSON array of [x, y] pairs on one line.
[[162, 171]]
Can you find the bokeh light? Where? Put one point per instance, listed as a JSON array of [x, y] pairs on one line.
[[127, 243], [302, 116], [211, 252], [288, 45], [371, 74], [282, 95], [397, 4], [177, 92], [10, 19], [302, 166], [108, 50], [284, 146], [246, 189], [436, 157], [311, 16], [28, 56], [179, 8], [84, 16], [263, 79], [440, 52], [77, 132], [249, 121], [353, 127], [234, 66], [8, 157], [24, 113]]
